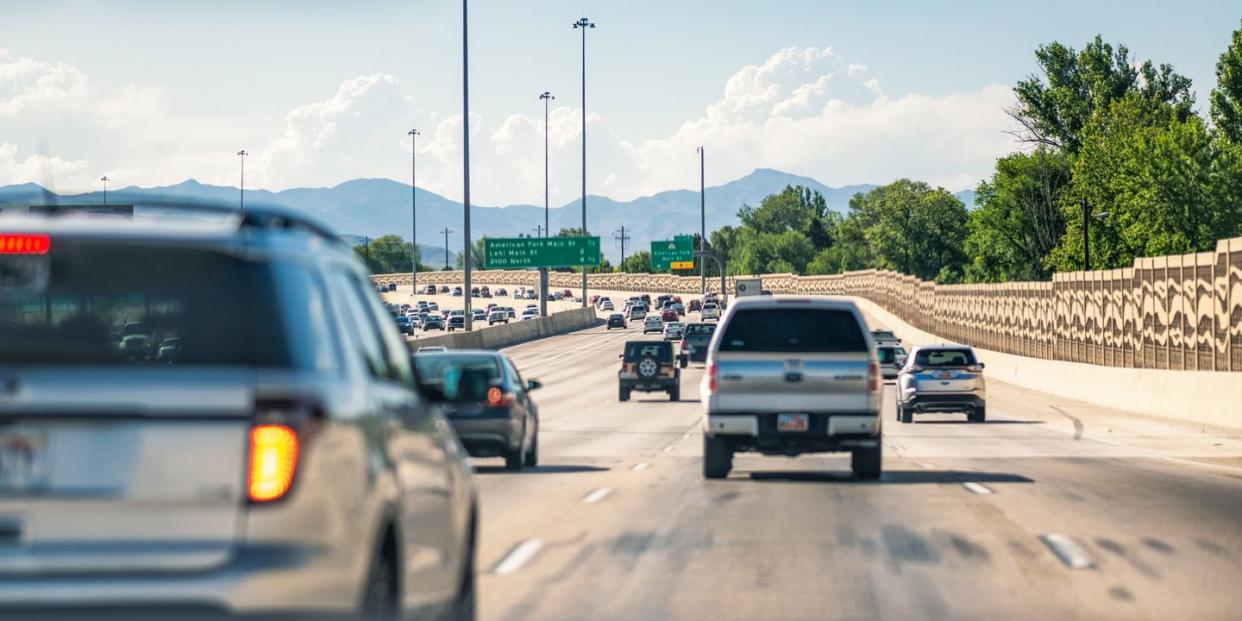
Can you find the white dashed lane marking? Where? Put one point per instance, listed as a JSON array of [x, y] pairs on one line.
[[519, 556], [1068, 551], [597, 495]]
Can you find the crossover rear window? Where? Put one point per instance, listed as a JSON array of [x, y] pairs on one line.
[[793, 330], [97, 303], [945, 358]]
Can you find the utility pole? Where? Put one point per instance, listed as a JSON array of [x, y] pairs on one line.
[[702, 227], [413, 133], [241, 191], [465, 140], [446, 232], [366, 250], [540, 231], [622, 237], [1086, 235], [583, 24], [546, 97], [105, 181]]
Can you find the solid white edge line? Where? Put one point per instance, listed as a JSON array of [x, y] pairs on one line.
[[519, 556], [976, 488], [1068, 551], [597, 495], [641, 466]]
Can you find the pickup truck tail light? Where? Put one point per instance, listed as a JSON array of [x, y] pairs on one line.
[[873, 376], [278, 439], [711, 378]]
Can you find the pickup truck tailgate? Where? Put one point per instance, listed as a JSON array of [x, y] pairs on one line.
[[758, 383]]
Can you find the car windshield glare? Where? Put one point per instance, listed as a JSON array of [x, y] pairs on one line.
[[790, 330]]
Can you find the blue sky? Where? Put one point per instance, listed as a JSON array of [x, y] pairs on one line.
[[154, 92]]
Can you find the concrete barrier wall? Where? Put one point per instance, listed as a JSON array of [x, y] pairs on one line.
[[1180, 313], [503, 335]]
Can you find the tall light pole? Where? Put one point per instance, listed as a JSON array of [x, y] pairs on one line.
[[583, 24], [465, 138], [413, 134], [546, 97], [241, 190], [105, 181], [702, 228]]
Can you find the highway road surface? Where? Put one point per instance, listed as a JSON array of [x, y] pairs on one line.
[[1053, 509]]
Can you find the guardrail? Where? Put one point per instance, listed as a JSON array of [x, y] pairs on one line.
[[1179, 312]]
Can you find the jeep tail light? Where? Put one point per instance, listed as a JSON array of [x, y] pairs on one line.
[[873, 376], [711, 378], [273, 461]]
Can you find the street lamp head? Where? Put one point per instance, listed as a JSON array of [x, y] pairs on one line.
[[413, 132], [243, 153], [105, 179], [584, 23], [546, 95]]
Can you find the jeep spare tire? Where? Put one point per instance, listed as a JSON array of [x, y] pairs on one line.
[[648, 367]]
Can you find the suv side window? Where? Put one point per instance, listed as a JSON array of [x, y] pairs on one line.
[[392, 345], [356, 319]]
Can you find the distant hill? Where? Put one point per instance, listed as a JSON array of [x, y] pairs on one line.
[[374, 207]]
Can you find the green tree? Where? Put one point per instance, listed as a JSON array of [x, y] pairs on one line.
[[914, 229], [637, 263], [1227, 96], [792, 209], [1054, 107], [1018, 220], [476, 256], [387, 254], [850, 249]]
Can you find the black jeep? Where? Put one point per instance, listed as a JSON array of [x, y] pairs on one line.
[[648, 366]]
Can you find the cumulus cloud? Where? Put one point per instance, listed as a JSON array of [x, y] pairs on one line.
[[48, 171], [38, 90]]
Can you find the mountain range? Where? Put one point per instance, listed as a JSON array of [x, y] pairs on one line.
[[374, 207]]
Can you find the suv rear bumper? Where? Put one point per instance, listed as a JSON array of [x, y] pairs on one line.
[[827, 432], [654, 385], [946, 402]]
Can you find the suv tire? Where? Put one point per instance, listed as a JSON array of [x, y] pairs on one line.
[[624, 395], [717, 458], [978, 415], [866, 464], [379, 597]]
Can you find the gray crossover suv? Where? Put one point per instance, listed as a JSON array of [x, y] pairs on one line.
[[210, 418]]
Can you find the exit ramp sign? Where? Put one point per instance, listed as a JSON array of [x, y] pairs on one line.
[[674, 254]]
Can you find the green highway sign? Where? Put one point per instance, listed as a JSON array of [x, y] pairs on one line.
[[525, 252], [665, 253]]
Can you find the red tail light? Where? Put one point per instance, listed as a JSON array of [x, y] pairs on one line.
[[278, 439], [873, 376], [683, 344], [498, 398], [20, 243], [711, 378]]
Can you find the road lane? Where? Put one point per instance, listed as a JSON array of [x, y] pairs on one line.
[[797, 538]]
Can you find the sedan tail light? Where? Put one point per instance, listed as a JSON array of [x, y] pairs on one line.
[[497, 398]]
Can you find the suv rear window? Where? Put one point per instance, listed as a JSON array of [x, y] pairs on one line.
[[661, 350], [793, 330], [945, 358], [108, 304], [701, 329]]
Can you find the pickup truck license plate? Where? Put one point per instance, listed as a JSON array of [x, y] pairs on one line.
[[793, 422], [23, 458]]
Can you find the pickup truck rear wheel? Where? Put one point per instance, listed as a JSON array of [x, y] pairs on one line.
[[906, 415], [717, 458], [865, 462]]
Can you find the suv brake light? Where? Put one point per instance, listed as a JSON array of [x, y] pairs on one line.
[[281, 430], [711, 378], [974, 368]]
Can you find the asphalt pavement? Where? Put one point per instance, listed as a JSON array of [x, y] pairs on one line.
[[1051, 509]]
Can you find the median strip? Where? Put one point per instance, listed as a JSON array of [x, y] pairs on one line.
[[519, 556]]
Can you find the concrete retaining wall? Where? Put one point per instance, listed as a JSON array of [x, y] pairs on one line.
[[1213, 398], [503, 335]]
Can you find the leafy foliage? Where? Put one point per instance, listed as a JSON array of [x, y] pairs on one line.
[[1227, 96], [387, 255]]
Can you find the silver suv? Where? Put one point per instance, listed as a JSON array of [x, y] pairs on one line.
[[791, 376], [942, 378], [271, 457]]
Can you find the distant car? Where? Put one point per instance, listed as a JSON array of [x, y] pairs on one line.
[[510, 312], [695, 342], [892, 358], [638, 313], [652, 324], [484, 293], [557, 295], [444, 289], [942, 378], [433, 322], [567, 294], [616, 320], [457, 292], [519, 292], [486, 401], [647, 366], [456, 322], [530, 313], [170, 350], [497, 316], [679, 308], [432, 307], [668, 314], [429, 290], [606, 305], [478, 314], [474, 292], [695, 306], [673, 331], [884, 337], [710, 311], [593, 300], [403, 324], [502, 292], [531, 294]]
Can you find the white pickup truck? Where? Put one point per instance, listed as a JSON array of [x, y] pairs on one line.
[[787, 376]]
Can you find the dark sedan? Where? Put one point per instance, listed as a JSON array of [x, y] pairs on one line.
[[695, 341], [616, 320], [487, 402]]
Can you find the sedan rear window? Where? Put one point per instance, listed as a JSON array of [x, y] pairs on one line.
[[945, 358], [793, 330]]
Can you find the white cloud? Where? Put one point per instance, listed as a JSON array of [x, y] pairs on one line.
[[38, 90], [48, 171]]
